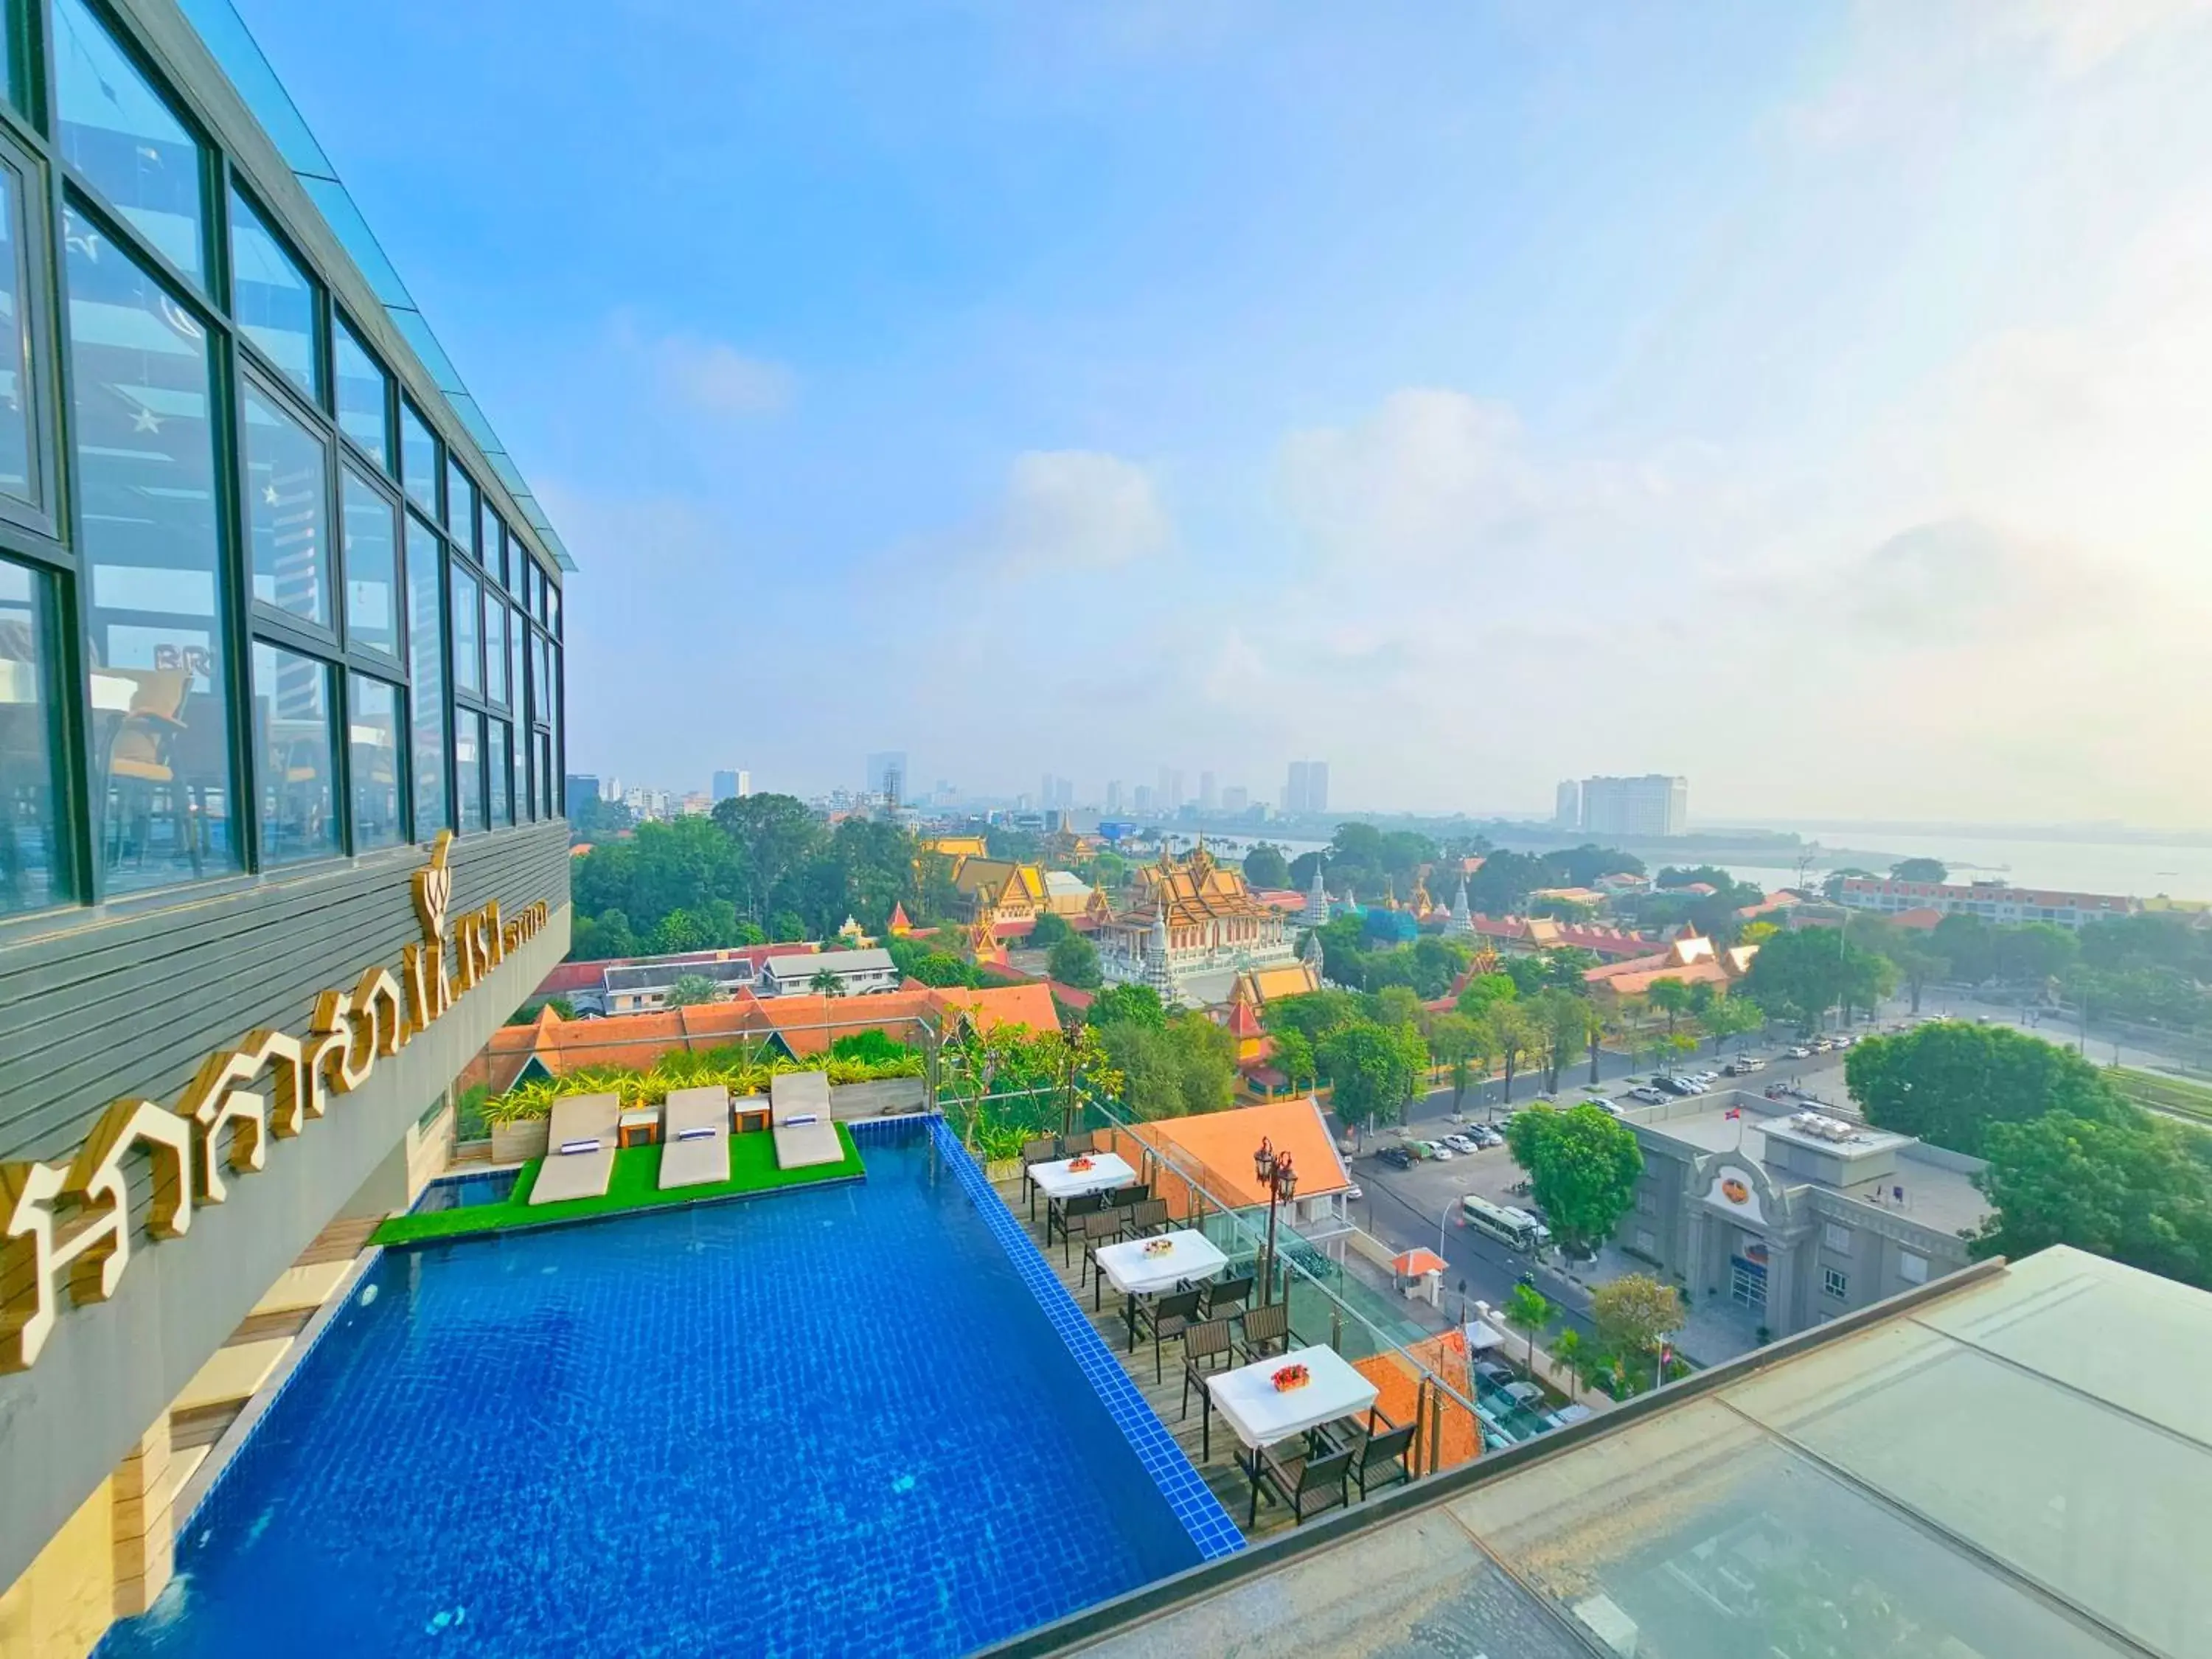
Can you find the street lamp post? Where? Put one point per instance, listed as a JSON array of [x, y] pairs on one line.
[[1281, 1183]]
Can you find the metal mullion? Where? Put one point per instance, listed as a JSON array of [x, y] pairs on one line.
[[235, 593], [81, 198], [341, 686], [281, 628]]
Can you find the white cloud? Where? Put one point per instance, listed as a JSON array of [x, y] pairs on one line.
[[1072, 511], [719, 380]]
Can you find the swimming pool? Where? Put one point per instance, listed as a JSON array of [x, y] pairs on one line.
[[826, 1422], [466, 1192]]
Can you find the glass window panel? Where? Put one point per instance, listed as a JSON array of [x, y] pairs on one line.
[[549, 785], [553, 609], [373, 742], [460, 505], [426, 665], [468, 768], [117, 131], [364, 398], [297, 759], [529, 585], [145, 473], [553, 781], [32, 867], [498, 760], [468, 628], [15, 468], [372, 567], [286, 484], [518, 631], [272, 298], [542, 707], [495, 648], [544, 595], [418, 460], [492, 547]]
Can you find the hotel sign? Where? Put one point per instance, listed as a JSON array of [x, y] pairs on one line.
[[70, 1223]]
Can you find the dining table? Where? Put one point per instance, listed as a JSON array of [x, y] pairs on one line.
[[1145, 1266], [1101, 1173], [1264, 1415]]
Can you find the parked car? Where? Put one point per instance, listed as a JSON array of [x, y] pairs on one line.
[[1649, 1096], [1745, 1065], [1524, 1394], [1461, 1144], [1799, 1051], [1497, 1376], [1844, 1041], [1439, 1150], [1486, 1136], [1397, 1157]]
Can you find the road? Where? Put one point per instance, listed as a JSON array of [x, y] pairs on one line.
[[1420, 1206]]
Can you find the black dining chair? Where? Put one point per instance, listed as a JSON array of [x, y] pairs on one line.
[[1307, 1483], [1203, 1346], [1164, 1316]]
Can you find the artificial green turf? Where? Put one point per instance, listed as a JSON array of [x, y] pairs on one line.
[[633, 1185]]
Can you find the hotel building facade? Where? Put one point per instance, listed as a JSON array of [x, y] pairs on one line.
[[279, 753]]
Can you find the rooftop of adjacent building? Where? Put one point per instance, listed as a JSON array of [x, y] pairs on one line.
[[2012, 1461], [1939, 1185]]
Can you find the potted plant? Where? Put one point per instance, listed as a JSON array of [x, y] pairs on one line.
[[520, 1122]]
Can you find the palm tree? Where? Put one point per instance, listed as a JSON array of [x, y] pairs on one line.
[[828, 982], [1567, 1351], [1527, 1310]]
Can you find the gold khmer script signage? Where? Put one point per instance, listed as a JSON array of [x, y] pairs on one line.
[[72, 1223]]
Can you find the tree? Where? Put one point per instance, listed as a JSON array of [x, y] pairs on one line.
[[1920, 870], [1485, 988], [1316, 1014], [1731, 1017], [1184, 1065], [1671, 998], [1526, 1310], [1949, 1083], [1632, 1312], [1916, 965], [1048, 930], [1799, 977], [827, 982], [1128, 1004], [1567, 1353], [1074, 961], [1265, 867], [1294, 1058], [1369, 1069], [2135, 1187], [690, 989], [1453, 1039], [1583, 1166], [1394, 1005], [1512, 1038], [1564, 1023], [1435, 963]]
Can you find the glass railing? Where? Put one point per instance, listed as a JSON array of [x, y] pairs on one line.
[[1422, 1376]]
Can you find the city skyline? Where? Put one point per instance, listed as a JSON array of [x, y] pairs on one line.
[[1823, 386]]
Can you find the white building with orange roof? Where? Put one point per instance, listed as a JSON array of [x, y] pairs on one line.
[[1193, 927]]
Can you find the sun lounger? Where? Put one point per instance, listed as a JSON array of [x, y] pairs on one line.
[[580, 1154], [799, 1118], [695, 1138]]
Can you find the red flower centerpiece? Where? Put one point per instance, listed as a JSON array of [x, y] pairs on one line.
[[1078, 1165], [1290, 1377], [1159, 1246]]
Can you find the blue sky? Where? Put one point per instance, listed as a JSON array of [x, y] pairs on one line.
[[1808, 397]]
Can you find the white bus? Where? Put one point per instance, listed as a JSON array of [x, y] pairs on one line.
[[1504, 1223]]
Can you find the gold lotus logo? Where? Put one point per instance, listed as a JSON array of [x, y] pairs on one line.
[[433, 889]]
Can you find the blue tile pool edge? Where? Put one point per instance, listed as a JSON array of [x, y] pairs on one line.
[[223, 1456], [1193, 1501]]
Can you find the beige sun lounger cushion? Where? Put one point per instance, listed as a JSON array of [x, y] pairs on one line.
[[695, 1138], [799, 1118], [580, 1152]]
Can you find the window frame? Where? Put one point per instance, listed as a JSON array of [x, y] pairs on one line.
[[322, 361], [39, 291], [387, 469]]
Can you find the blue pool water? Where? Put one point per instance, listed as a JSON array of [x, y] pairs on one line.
[[830, 1422], [467, 1192]]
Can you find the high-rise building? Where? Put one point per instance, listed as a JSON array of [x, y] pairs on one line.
[[1113, 797], [1236, 799], [1147, 800], [1308, 789], [887, 775], [1567, 805], [732, 786], [1209, 793], [582, 786], [1171, 790], [1643, 808]]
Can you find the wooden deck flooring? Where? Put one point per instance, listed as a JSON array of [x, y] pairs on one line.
[[1165, 1397]]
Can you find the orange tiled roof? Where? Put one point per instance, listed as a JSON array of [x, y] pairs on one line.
[[1224, 1142]]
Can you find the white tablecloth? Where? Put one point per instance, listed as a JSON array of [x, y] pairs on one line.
[[1190, 1256], [1108, 1171], [1262, 1416]]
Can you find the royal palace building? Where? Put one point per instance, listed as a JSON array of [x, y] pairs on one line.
[[280, 760]]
